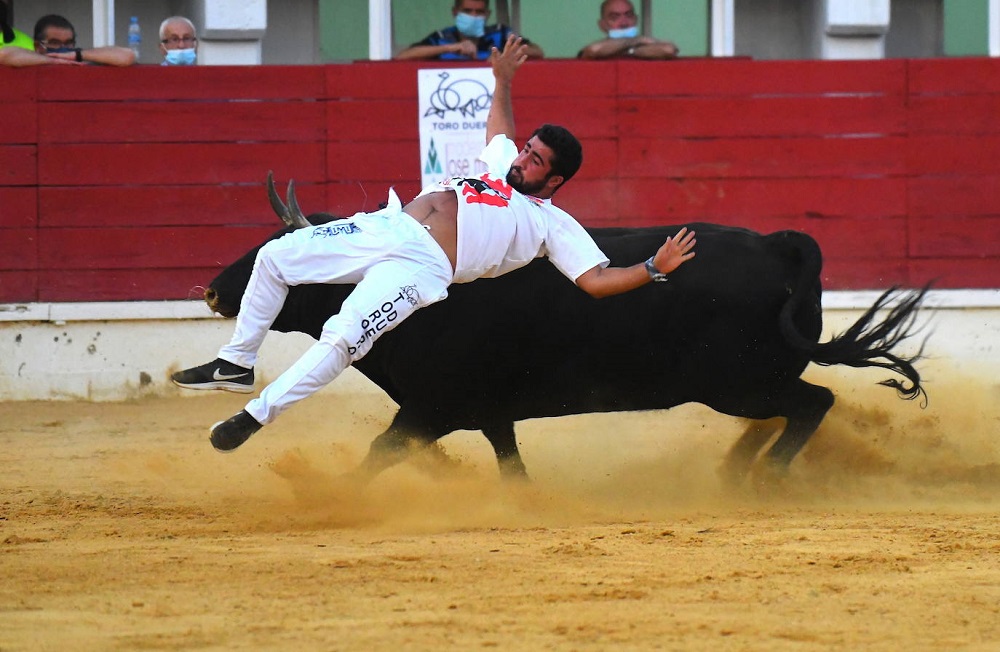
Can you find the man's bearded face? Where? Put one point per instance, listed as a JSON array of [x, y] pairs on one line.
[[515, 177]]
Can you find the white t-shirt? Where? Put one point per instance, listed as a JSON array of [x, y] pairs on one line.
[[500, 229]]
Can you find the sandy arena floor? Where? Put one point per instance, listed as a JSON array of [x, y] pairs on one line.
[[121, 529]]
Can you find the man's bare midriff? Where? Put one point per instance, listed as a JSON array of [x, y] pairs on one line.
[[439, 212]]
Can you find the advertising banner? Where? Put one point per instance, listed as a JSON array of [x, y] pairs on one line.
[[453, 107]]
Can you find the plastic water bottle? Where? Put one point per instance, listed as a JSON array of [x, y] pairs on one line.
[[134, 36]]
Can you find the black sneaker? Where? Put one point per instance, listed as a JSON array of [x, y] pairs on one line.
[[229, 434], [217, 374]]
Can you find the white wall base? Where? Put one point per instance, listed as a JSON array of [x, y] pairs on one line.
[[123, 359]]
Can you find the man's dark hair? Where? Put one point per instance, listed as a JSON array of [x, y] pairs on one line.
[[52, 20], [567, 150]]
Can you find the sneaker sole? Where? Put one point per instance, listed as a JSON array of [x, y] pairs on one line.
[[211, 431], [225, 386]]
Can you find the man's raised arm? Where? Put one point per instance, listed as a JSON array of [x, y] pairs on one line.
[[500, 119]]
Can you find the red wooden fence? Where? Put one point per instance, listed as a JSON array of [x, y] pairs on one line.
[[140, 183]]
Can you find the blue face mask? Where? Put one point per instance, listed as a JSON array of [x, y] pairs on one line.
[[184, 57], [471, 26], [626, 32], [59, 50]]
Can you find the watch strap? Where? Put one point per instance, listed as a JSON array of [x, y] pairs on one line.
[[654, 273]]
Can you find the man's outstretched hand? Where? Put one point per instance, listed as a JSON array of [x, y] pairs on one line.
[[675, 251], [506, 63], [500, 119]]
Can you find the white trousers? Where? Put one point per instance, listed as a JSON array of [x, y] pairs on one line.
[[396, 265]]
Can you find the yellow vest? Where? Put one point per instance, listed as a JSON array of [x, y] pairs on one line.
[[21, 40]]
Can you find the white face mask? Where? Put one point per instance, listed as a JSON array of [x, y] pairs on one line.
[[469, 25], [625, 32], [185, 57]]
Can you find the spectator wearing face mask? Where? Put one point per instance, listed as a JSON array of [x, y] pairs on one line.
[[470, 38], [55, 38], [178, 42], [619, 22]]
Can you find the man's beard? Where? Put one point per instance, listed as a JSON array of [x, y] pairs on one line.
[[516, 181]]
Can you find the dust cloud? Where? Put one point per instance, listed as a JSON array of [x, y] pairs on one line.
[[873, 450]]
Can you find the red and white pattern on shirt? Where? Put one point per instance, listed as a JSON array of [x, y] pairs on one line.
[[491, 191]]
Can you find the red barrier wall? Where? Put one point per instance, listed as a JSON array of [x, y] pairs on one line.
[[140, 183]]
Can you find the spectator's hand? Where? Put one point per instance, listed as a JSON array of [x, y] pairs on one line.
[[68, 58], [506, 63], [464, 48]]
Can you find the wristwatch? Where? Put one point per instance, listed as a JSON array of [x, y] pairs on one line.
[[79, 55], [654, 273]]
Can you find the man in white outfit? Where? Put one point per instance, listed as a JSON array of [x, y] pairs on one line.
[[403, 258]]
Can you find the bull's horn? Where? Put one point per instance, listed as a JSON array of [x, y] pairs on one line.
[[291, 216], [276, 204], [295, 213]]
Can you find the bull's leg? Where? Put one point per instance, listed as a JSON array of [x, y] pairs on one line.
[[740, 457], [504, 441], [406, 434], [804, 405]]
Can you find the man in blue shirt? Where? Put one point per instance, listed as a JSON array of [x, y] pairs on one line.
[[470, 38]]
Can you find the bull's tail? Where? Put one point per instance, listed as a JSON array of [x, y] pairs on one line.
[[868, 342]]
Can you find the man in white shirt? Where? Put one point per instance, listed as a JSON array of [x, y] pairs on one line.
[[404, 258]]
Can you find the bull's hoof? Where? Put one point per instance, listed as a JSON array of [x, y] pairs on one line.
[[512, 471]]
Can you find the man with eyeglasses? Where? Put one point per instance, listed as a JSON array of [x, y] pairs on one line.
[[55, 38], [178, 42]]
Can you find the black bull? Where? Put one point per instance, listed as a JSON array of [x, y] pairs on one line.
[[732, 329]]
